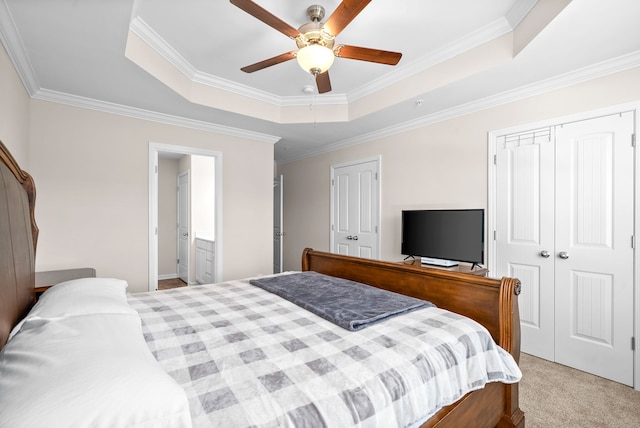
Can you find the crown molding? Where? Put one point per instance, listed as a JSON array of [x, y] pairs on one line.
[[139, 27], [476, 38], [619, 64], [15, 49], [137, 113], [485, 34], [143, 30], [12, 43]]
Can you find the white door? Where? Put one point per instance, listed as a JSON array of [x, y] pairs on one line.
[[278, 233], [565, 228], [355, 209], [183, 227], [525, 232], [594, 246]]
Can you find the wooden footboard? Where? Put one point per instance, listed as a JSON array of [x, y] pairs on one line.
[[491, 302]]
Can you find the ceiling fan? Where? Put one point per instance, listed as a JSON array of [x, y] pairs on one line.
[[316, 40]]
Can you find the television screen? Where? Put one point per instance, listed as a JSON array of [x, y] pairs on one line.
[[450, 235]]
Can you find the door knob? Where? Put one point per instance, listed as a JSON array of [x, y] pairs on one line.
[[563, 255], [544, 253], [355, 238], [349, 237]]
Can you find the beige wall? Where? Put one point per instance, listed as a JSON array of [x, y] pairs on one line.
[[14, 112], [437, 166], [100, 219], [91, 170], [91, 173]]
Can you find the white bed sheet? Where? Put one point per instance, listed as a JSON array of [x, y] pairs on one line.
[[249, 358], [86, 371]]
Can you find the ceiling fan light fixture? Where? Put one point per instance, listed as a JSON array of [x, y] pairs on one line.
[[316, 40], [315, 58]]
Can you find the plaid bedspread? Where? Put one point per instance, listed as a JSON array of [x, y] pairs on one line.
[[248, 358]]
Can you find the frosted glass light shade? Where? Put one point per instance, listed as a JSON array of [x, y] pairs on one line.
[[315, 59]]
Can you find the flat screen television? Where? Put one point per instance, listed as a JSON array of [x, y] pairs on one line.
[[444, 237]]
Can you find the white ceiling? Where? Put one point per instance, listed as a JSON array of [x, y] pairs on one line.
[[73, 51]]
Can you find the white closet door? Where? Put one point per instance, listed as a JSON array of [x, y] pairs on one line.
[[594, 254], [355, 209], [525, 232], [564, 227]]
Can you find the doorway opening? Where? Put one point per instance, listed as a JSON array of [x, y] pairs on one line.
[[208, 212]]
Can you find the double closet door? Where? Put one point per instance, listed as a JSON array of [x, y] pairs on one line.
[[564, 227]]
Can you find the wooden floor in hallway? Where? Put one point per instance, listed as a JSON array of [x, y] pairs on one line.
[[166, 284]]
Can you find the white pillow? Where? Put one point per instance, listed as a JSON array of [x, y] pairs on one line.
[[80, 297], [87, 370], [83, 297]]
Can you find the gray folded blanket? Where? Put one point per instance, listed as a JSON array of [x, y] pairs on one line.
[[348, 304]]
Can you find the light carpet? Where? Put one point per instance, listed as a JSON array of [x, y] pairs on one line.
[[553, 395]]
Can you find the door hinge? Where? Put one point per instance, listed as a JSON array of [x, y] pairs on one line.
[[332, 182], [156, 168], [332, 228], [178, 261], [633, 343], [495, 159], [633, 242], [156, 230], [376, 177], [495, 235], [633, 140]]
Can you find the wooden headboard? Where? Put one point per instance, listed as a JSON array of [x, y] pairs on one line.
[[18, 238]]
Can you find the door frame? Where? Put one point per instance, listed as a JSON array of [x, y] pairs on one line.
[[378, 160], [154, 149], [278, 205], [492, 138]]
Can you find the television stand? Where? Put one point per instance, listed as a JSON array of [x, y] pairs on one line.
[[461, 267]]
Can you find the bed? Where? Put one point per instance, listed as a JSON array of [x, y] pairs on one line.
[[185, 357]]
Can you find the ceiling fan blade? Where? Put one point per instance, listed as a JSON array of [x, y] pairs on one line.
[[366, 54], [269, 62], [343, 15], [323, 83], [267, 17]]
